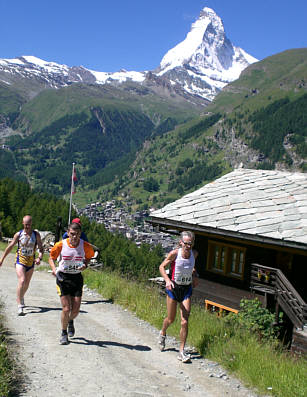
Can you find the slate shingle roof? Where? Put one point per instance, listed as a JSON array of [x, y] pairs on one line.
[[258, 202]]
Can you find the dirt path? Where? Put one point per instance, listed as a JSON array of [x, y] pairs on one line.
[[112, 354]]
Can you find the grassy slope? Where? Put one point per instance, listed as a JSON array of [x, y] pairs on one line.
[[51, 105], [274, 77], [10, 100]]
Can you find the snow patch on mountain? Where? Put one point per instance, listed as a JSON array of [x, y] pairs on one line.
[[121, 76], [32, 63]]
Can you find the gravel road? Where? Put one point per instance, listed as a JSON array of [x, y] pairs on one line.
[[113, 352]]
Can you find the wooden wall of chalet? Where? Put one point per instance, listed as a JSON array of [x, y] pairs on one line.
[[298, 275], [294, 266]]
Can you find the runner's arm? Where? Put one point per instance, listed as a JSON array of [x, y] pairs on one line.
[[195, 275], [9, 248], [40, 248], [54, 253], [52, 265], [89, 253], [167, 261]]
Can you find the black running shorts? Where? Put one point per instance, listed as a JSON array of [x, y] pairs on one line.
[[69, 284]]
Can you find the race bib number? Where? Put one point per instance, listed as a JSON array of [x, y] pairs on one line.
[[72, 266], [26, 251], [183, 279]]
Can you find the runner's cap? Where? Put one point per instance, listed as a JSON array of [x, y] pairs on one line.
[[76, 220]]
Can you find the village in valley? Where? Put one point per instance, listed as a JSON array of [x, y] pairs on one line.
[[132, 225]]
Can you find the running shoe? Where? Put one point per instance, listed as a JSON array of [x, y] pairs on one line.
[[64, 339], [184, 357], [162, 341], [71, 328], [20, 310]]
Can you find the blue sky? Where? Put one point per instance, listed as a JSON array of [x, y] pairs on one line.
[[106, 35]]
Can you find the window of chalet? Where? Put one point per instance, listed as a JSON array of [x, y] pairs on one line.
[[226, 259]]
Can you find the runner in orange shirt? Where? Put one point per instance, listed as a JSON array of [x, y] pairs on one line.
[[74, 255]]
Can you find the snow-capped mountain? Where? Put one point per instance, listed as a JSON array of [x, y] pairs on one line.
[[206, 60], [200, 65], [55, 75]]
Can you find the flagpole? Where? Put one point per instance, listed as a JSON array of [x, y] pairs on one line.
[[71, 191]]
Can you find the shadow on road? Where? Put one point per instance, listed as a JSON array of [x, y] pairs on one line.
[[98, 301], [40, 309], [84, 341], [194, 355], [171, 349]]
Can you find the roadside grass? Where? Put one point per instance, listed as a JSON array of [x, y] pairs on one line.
[[262, 365]]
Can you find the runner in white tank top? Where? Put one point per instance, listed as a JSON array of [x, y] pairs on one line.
[[178, 287], [182, 268]]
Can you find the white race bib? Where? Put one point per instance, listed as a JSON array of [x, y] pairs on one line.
[[183, 278], [72, 266], [26, 251]]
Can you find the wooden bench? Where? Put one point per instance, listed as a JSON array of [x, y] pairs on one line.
[[218, 308]]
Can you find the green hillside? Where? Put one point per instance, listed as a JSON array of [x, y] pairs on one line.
[[258, 121], [10, 102], [280, 75], [169, 166], [52, 105], [98, 127], [91, 140], [8, 167], [146, 148]]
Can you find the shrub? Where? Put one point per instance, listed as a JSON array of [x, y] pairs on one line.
[[255, 318]]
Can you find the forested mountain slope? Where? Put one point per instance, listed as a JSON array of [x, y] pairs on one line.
[[94, 126], [258, 121]]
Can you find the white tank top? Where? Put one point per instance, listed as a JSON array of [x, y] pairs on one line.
[[71, 258], [182, 269]]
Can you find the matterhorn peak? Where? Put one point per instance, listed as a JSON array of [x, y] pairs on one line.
[[207, 55], [185, 50]]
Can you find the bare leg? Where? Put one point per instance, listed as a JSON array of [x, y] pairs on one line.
[[171, 306], [75, 307], [185, 309], [29, 275], [24, 279], [66, 309]]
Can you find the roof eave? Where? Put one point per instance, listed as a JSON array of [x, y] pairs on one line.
[[228, 233]]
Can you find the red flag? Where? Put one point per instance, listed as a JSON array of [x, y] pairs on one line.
[[73, 180]]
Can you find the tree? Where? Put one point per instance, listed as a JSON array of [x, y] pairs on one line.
[[151, 185]]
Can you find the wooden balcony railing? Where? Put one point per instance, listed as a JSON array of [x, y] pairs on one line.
[[273, 281]]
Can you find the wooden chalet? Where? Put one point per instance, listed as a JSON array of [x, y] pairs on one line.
[[251, 235]]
